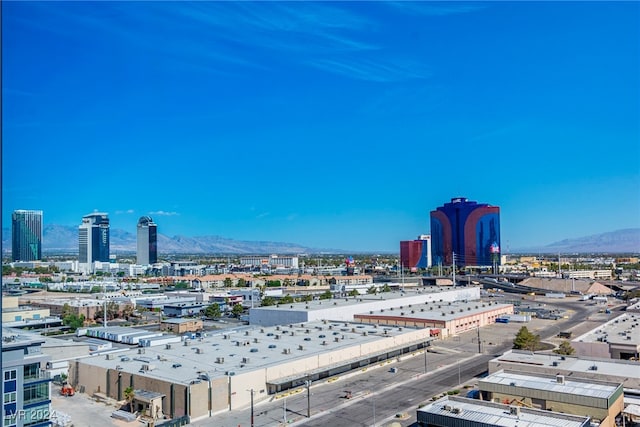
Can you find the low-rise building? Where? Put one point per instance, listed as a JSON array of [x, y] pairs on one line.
[[587, 368], [619, 338], [344, 309], [451, 318], [184, 309], [459, 411], [180, 326], [602, 401], [201, 377]]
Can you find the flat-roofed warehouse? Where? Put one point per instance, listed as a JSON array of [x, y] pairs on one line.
[[215, 373], [611, 370], [344, 309], [602, 401], [445, 318], [618, 338], [460, 411]]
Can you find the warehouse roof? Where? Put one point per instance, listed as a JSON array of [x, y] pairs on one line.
[[557, 384], [624, 329], [477, 412], [246, 349]]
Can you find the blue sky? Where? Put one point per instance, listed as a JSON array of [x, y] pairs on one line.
[[328, 124]]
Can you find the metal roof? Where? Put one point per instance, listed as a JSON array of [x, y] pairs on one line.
[[476, 412], [567, 386]]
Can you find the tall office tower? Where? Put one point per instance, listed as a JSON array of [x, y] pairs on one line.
[[147, 241], [470, 230], [93, 238], [416, 254], [26, 235], [26, 386]]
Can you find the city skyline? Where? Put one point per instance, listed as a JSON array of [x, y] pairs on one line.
[[338, 125]]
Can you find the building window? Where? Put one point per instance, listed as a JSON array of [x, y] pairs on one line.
[[9, 421], [10, 397], [10, 375]]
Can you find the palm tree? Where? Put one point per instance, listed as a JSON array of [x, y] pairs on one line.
[[129, 394]]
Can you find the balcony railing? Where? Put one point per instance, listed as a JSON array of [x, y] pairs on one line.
[[40, 375]]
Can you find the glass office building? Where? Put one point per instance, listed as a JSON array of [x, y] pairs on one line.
[[147, 252], [93, 238], [26, 235]]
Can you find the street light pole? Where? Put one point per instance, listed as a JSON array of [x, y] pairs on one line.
[[425, 357], [308, 383], [251, 407], [284, 412], [374, 411]]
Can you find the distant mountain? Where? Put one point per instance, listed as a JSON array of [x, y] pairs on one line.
[[619, 241], [59, 238]]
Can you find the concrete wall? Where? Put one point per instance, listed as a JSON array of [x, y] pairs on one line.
[[591, 349]]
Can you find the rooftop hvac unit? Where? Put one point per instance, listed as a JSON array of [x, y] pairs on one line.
[[219, 359], [514, 410], [277, 337], [554, 363], [109, 356], [141, 351], [245, 360], [456, 411], [287, 351], [225, 337], [300, 347], [168, 346], [255, 340], [593, 368], [199, 351], [447, 408], [560, 379], [246, 333]]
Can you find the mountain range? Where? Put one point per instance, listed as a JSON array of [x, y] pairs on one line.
[[619, 241], [59, 238]]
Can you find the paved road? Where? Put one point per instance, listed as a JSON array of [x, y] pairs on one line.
[[378, 395]]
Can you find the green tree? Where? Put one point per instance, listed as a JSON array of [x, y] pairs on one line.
[[129, 395], [525, 340], [306, 298], [213, 311], [354, 293], [268, 301], [287, 299], [565, 349], [237, 310], [227, 282], [386, 288], [241, 283], [372, 290], [73, 320], [326, 295]]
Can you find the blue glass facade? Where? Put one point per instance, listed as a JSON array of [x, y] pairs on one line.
[[468, 229]]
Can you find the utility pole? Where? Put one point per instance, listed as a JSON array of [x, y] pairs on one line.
[[454, 269], [479, 346], [251, 407], [308, 384]]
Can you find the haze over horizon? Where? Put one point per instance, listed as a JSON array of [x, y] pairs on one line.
[[327, 124]]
